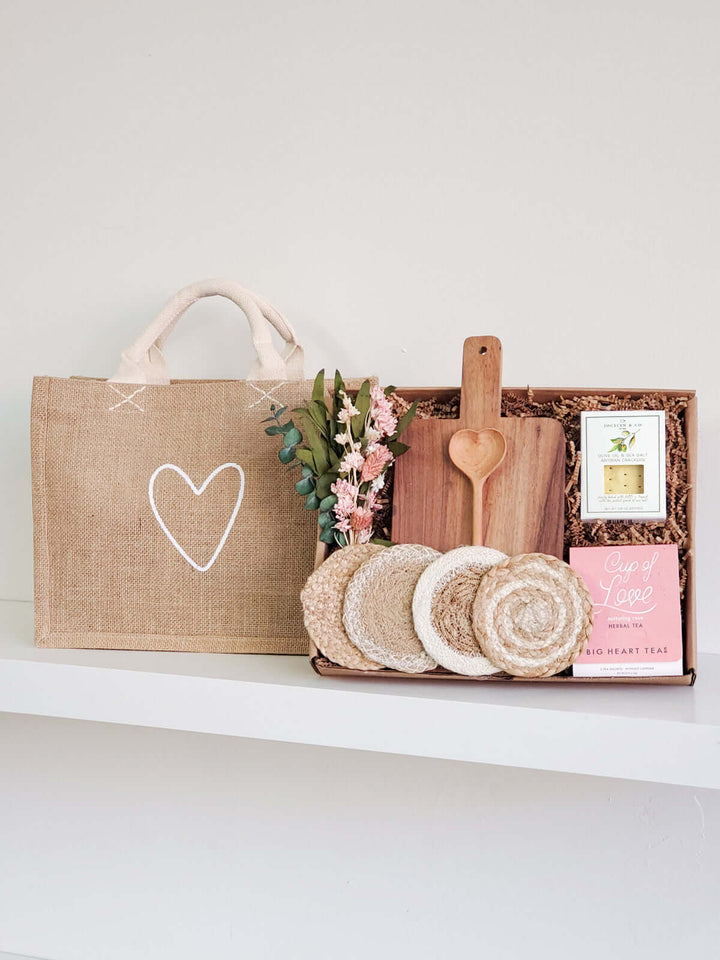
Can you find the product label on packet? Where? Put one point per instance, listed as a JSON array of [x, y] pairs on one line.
[[622, 471], [637, 629]]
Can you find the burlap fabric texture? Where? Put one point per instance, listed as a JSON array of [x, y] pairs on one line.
[[532, 615], [163, 519]]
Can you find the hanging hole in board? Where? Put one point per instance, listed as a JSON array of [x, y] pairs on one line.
[[483, 351]]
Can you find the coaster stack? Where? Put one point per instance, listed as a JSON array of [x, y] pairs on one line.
[[473, 611]]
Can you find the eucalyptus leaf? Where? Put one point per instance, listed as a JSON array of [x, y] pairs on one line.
[[312, 502], [273, 431], [328, 535], [307, 471], [286, 454], [340, 539], [292, 437], [280, 412], [305, 485], [328, 503]]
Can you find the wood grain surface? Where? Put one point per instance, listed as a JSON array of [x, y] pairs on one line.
[[524, 499]]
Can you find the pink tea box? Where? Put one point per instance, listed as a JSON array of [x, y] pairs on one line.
[[637, 630]]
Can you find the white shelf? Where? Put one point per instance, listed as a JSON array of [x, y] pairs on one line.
[[660, 734]]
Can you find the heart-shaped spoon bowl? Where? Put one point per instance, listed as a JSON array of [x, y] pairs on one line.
[[477, 453]]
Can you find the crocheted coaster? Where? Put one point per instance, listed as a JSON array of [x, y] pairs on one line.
[[378, 608], [532, 615], [442, 609], [322, 599]]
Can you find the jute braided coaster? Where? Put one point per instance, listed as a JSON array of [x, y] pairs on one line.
[[532, 615], [322, 599], [378, 608], [443, 605]]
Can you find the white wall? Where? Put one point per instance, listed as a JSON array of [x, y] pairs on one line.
[[395, 176]]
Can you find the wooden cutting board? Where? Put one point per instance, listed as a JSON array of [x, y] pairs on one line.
[[524, 499]]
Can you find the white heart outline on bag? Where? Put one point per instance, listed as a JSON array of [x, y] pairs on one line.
[[197, 491]]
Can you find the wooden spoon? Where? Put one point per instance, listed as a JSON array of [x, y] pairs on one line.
[[477, 453]]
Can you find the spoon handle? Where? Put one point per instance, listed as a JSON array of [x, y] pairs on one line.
[[477, 534]]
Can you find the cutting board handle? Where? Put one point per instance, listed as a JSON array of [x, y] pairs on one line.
[[481, 382]]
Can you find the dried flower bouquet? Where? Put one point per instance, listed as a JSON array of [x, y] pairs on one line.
[[343, 447]]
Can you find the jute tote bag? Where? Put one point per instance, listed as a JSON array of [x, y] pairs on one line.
[[163, 519]]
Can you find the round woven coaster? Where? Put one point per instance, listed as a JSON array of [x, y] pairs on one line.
[[443, 606], [532, 615], [378, 608], [322, 599]]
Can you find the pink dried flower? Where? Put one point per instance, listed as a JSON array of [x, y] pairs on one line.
[[347, 498], [371, 501], [376, 461], [381, 412], [386, 424], [341, 488], [364, 536], [361, 519], [343, 525], [352, 461], [344, 507]]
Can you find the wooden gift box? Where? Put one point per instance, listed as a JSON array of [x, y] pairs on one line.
[[327, 669]]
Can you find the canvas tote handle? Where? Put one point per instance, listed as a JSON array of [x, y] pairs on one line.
[[143, 362]]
